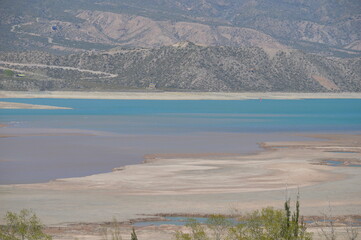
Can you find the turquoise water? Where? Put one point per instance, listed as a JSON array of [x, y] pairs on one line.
[[165, 117], [122, 132]]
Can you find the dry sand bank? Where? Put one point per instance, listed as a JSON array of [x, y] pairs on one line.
[[291, 164], [273, 170], [12, 105], [176, 95]]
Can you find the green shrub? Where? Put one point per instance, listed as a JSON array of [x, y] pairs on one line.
[[265, 224], [25, 225], [219, 226], [197, 232], [8, 73]]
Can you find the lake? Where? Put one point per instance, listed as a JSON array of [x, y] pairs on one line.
[[98, 135]]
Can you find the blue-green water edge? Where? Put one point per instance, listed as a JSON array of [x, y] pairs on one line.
[[182, 221], [163, 116]]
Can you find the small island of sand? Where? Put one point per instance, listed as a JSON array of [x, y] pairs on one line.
[[13, 105]]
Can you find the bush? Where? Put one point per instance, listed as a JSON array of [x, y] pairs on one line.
[[265, 224], [8, 73], [25, 225]]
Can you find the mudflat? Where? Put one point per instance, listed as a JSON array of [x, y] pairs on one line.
[[205, 185], [325, 171]]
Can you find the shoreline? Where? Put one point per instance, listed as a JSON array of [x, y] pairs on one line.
[[194, 185], [299, 164], [320, 142], [13, 105], [178, 95], [167, 230]]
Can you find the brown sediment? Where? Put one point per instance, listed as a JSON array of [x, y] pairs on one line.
[[333, 143]]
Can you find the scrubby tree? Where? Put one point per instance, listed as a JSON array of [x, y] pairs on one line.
[[267, 223], [113, 231], [219, 225], [352, 232], [197, 232], [23, 226], [272, 224]]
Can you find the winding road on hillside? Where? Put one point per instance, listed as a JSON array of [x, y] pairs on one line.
[[108, 75]]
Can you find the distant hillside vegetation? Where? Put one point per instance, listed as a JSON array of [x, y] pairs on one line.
[[184, 66], [327, 27]]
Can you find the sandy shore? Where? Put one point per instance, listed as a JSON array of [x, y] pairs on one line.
[[200, 185], [12, 105], [176, 95]]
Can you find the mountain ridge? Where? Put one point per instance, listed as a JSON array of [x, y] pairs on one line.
[[327, 27], [185, 67]]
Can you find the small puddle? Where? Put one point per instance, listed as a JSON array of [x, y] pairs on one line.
[[319, 220], [334, 163], [340, 152], [177, 221], [182, 221]]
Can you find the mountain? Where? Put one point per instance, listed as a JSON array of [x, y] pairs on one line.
[[327, 27], [184, 66], [202, 45]]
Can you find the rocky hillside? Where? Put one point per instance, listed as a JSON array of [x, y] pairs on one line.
[[184, 66], [328, 27]]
